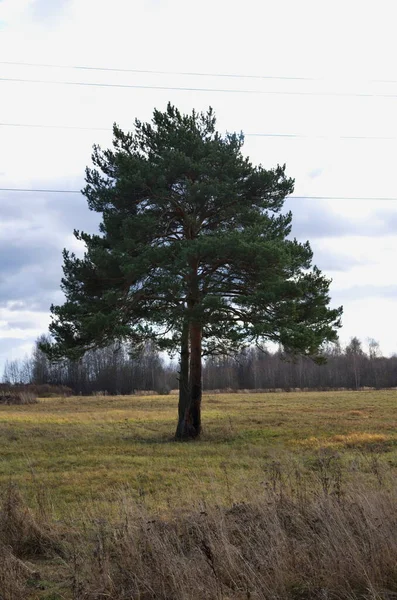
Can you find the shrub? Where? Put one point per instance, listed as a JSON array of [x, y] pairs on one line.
[[43, 390], [18, 398], [163, 390]]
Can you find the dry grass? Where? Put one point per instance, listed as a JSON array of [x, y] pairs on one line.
[[309, 536], [23, 536], [18, 397], [13, 581], [351, 440], [84, 448], [276, 548], [285, 496]]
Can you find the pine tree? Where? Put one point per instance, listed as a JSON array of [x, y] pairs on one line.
[[193, 254]]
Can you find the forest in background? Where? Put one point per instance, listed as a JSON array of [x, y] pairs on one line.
[[117, 369]]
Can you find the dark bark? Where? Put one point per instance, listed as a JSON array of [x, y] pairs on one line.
[[189, 422], [194, 414], [184, 397], [190, 386]]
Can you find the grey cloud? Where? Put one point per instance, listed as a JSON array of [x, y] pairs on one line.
[[332, 261], [15, 305], [359, 292], [14, 256], [74, 214], [314, 219], [32, 287], [64, 211], [27, 324], [29, 273], [34, 228]]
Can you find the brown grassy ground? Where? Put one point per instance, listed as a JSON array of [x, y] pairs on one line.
[[84, 448], [285, 496]]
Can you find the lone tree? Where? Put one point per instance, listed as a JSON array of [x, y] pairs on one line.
[[193, 253]]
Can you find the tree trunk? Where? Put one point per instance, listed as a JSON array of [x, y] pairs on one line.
[[190, 388], [189, 423], [194, 415], [184, 397]]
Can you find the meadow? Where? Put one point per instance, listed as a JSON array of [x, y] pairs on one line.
[[85, 448], [73, 469]]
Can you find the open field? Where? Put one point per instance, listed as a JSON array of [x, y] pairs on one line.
[[85, 448], [279, 488]]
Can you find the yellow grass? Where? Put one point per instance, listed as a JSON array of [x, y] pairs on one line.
[[281, 483], [88, 448]]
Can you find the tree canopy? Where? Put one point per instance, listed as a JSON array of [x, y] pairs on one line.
[[194, 253]]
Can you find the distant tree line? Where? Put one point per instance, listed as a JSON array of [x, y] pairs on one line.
[[351, 368], [116, 369]]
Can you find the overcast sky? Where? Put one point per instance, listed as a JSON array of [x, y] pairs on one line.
[[328, 76]]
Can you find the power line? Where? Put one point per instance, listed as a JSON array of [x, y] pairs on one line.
[[292, 197], [156, 72], [342, 197], [320, 137], [266, 135], [196, 89], [43, 126], [179, 73], [269, 135], [45, 191]]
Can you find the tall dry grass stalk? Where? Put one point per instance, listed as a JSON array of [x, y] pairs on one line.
[[277, 548], [321, 538]]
